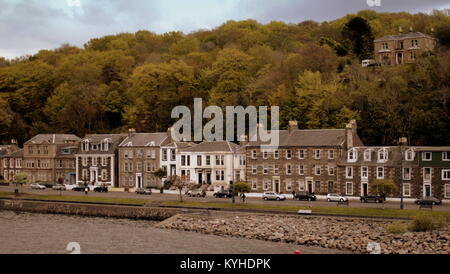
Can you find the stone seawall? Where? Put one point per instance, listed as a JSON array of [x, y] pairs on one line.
[[97, 210]]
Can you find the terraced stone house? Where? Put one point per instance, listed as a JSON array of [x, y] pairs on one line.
[[42, 157], [139, 158], [97, 159], [306, 160]]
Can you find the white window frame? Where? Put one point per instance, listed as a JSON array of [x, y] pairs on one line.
[[352, 155], [301, 154], [331, 154], [445, 175], [447, 191], [265, 155], [254, 169], [254, 184], [288, 169], [301, 170], [331, 168], [423, 174], [276, 154], [364, 172], [425, 153], [288, 186], [407, 186], [409, 155], [367, 155], [346, 188], [254, 154], [446, 156], [347, 173], [383, 172], [317, 170], [317, 154], [288, 154], [301, 185], [385, 154], [407, 178], [265, 169]]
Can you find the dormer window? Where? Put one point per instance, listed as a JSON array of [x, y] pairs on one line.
[[382, 155], [104, 146], [352, 155], [368, 155], [409, 155], [85, 145]]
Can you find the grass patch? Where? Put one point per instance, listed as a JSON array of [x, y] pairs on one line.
[[367, 212], [71, 198], [397, 228]]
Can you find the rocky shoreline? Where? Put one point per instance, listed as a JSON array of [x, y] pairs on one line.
[[352, 235]]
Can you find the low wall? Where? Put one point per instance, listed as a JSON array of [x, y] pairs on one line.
[[96, 210]]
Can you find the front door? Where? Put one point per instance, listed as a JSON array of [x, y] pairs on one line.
[[427, 190], [200, 178], [364, 189], [399, 58], [208, 177], [94, 176], [138, 180], [276, 186], [310, 187]]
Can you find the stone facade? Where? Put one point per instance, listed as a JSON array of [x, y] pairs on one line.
[[139, 158], [40, 155], [403, 48], [306, 160], [97, 159]]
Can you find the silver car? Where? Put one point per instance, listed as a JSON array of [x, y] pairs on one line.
[[143, 191], [333, 197], [273, 196], [37, 186], [59, 187]]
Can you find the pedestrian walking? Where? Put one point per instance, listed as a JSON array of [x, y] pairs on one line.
[[293, 194], [243, 197], [86, 189]]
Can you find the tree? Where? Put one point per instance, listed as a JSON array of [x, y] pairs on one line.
[[359, 38], [240, 188], [20, 179], [383, 187], [180, 183], [160, 173]]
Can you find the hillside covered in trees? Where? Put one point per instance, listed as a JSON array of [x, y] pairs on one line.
[[311, 70]]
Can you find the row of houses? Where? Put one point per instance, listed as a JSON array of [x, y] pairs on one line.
[[319, 161]]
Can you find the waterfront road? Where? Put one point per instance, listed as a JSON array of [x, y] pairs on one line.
[[157, 197]]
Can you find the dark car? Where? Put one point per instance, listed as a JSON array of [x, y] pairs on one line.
[[222, 194], [305, 196], [372, 199], [428, 201], [78, 188], [101, 189]]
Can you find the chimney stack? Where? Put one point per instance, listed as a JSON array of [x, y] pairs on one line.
[[350, 132], [293, 125], [403, 141], [131, 131], [243, 140]]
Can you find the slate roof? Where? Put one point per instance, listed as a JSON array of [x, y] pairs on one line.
[[52, 139], [410, 35], [306, 138], [115, 139], [219, 146], [144, 139]]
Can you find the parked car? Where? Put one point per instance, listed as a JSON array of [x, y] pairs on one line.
[[143, 191], [59, 187], [428, 201], [37, 186], [223, 194], [101, 189], [303, 195], [196, 193], [333, 197], [78, 188], [273, 196], [372, 199]]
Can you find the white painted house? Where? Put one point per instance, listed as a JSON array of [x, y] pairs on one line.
[[210, 163]]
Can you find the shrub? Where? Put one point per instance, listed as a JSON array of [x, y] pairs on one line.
[[425, 222], [397, 228]]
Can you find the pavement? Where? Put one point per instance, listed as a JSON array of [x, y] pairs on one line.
[[173, 196]]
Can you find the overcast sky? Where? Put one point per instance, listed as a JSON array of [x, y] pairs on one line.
[[27, 26]]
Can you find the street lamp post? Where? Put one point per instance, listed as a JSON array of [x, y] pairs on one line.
[[402, 143]]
